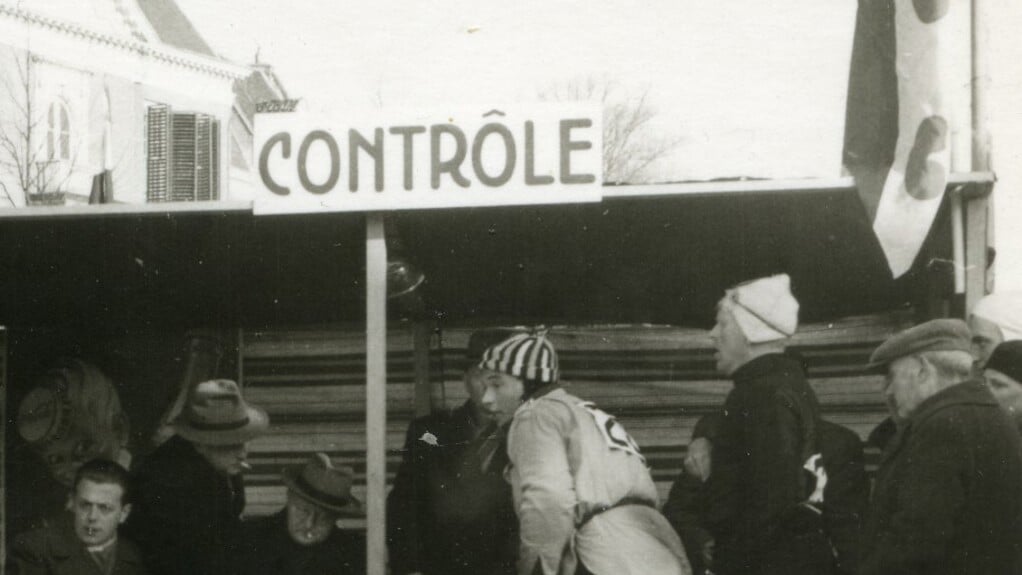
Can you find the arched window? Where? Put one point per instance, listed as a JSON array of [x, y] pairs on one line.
[[58, 132]]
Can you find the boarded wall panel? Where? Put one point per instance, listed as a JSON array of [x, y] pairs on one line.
[[658, 381]]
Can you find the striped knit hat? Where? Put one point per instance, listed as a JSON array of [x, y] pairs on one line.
[[528, 356]]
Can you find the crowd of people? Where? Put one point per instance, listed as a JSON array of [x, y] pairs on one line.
[[527, 478]]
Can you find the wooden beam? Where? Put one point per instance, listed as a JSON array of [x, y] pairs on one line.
[[976, 221], [376, 395], [958, 239], [803, 185], [158, 209]]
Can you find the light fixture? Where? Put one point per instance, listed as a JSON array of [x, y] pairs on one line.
[[402, 278]]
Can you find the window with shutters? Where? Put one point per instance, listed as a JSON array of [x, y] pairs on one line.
[[182, 155]]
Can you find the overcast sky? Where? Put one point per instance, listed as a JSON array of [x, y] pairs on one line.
[[747, 89]]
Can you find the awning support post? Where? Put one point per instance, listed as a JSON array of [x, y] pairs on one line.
[[376, 395]]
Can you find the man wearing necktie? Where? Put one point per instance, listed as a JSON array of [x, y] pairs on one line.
[[87, 542]]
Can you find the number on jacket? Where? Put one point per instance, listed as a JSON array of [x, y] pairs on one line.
[[613, 433]]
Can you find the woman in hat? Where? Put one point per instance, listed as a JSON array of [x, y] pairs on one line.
[[71, 415], [303, 538], [1003, 375], [585, 500], [189, 491]]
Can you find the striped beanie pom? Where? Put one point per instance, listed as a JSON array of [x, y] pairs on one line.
[[529, 356]]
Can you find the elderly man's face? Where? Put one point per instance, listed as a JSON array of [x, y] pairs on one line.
[[732, 345], [1008, 392], [98, 510], [985, 337], [308, 524], [907, 385]]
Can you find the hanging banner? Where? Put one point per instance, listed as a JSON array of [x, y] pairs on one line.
[[549, 153], [898, 119]]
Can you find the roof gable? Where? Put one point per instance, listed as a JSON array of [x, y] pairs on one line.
[[114, 19], [173, 27]]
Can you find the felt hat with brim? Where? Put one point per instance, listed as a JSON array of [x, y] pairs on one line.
[[215, 413], [934, 335], [324, 485], [1007, 359]]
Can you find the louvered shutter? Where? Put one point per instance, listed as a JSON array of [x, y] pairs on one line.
[[183, 152], [214, 159], [206, 155], [184, 156], [158, 153]]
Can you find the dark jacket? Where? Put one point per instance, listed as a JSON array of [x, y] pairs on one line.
[[185, 514], [846, 494], [55, 550], [757, 479], [948, 493], [266, 548], [447, 514], [687, 501]]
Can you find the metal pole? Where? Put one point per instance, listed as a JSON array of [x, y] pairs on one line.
[[376, 395], [980, 87], [978, 211]]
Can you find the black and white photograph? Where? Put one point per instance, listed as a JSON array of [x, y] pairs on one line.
[[547, 287]]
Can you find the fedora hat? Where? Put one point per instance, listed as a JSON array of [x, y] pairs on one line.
[[216, 414], [324, 485]]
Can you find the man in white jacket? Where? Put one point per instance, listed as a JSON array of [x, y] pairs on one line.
[[585, 500]]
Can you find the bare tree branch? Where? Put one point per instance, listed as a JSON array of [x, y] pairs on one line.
[[22, 157], [629, 146]]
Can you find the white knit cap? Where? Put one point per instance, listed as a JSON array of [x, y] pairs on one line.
[[764, 308], [1003, 309]]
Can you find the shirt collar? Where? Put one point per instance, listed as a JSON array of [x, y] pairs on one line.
[[764, 364], [102, 548]]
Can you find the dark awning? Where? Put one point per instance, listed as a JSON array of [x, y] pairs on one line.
[[659, 254]]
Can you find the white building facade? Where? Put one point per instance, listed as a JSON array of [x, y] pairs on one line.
[[121, 88]]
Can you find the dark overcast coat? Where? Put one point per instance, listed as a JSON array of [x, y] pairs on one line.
[[447, 515], [55, 550], [186, 515], [948, 493], [266, 548], [757, 480]]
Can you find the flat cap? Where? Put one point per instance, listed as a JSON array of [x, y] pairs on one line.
[[934, 335]]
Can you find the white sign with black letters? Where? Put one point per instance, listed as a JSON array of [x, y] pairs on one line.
[[548, 153]]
